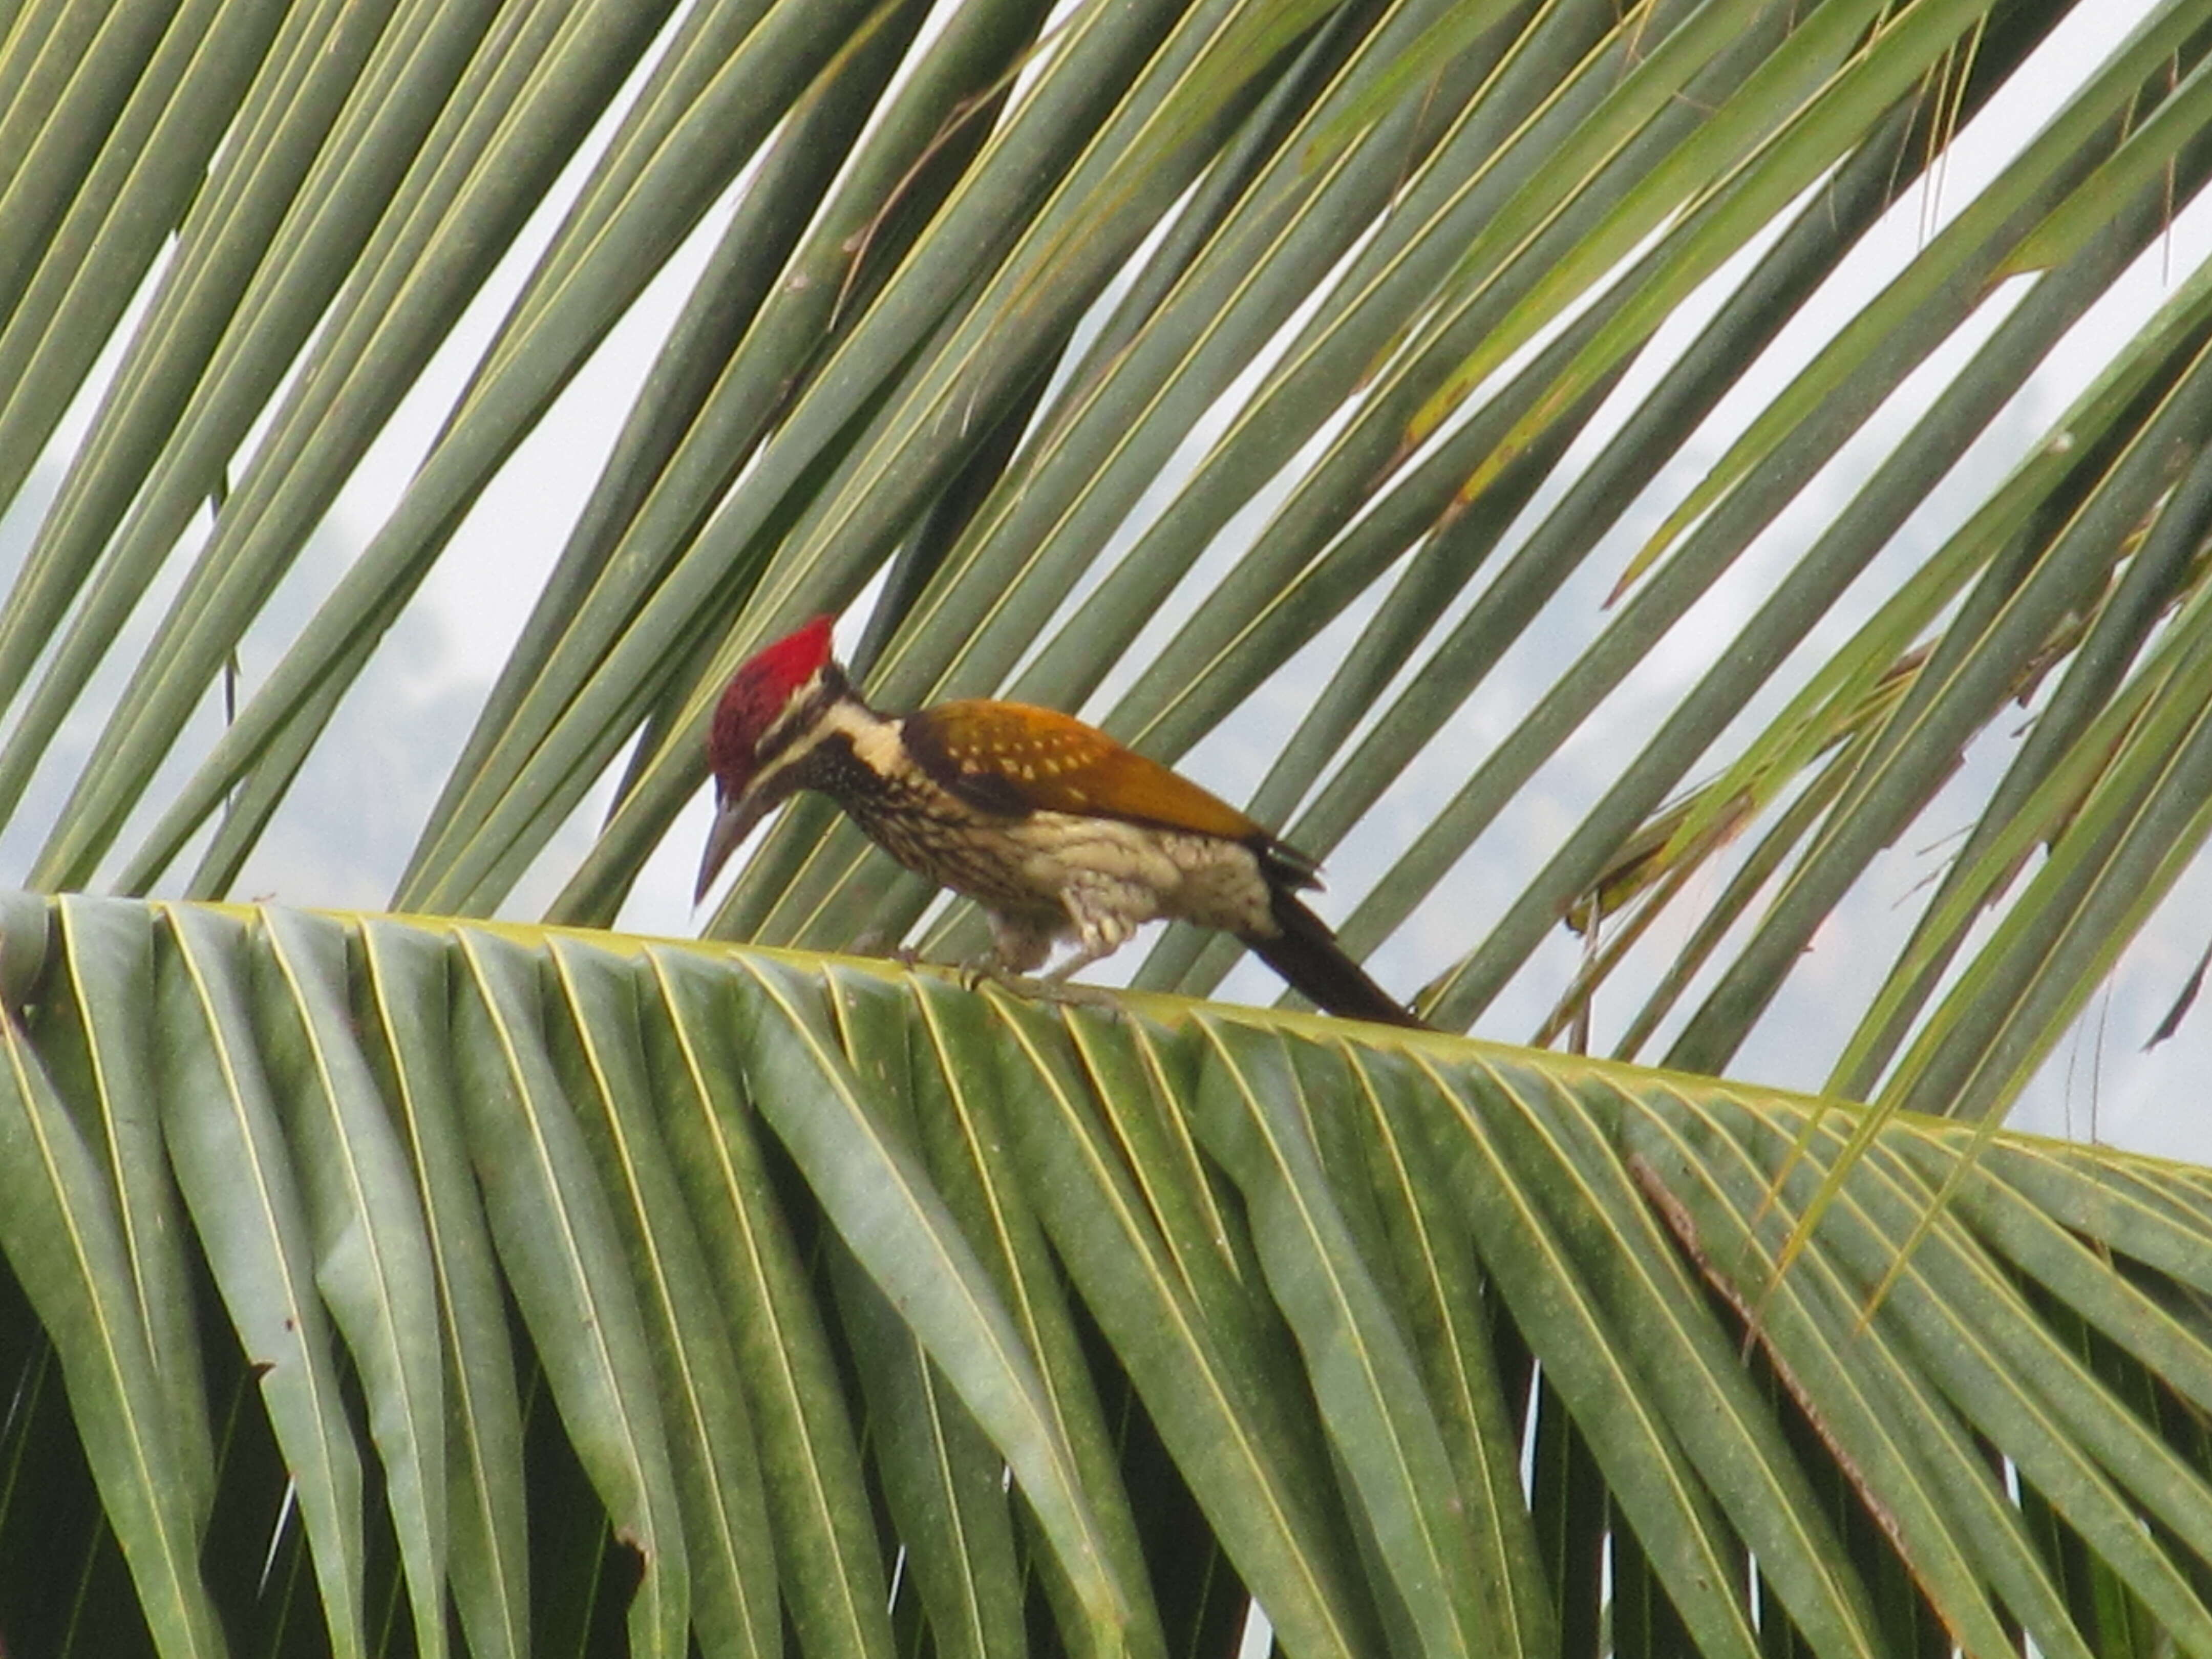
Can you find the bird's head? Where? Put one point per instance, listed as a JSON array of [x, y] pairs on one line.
[[767, 704]]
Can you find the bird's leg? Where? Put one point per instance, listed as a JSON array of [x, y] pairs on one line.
[[1102, 927], [1052, 989], [1054, 986], [1020, 942], [1099, 932], [1075, 964]]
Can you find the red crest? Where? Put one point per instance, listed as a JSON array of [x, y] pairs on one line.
[[758, 693]]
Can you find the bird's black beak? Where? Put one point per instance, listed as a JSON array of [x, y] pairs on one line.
[[733, 821]]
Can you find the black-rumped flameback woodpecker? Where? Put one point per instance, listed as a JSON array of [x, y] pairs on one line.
[[1059, 832]]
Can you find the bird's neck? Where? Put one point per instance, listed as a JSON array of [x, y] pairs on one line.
[[849, 726], [835, 744]]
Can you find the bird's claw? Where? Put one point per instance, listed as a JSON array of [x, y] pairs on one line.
[[1060, 991], [977, 973]]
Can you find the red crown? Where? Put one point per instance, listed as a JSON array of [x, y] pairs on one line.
[[758, 691], [791, 660]]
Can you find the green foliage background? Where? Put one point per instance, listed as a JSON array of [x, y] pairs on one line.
[[983, 282]]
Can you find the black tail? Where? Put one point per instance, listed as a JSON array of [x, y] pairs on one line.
[[1304, 952]]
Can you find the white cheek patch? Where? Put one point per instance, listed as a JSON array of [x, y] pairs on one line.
[[840, 717], [875, 742], [793, 705]]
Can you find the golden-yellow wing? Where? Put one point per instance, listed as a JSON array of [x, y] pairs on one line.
[[1009, 757]]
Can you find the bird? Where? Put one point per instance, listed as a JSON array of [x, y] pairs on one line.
[[1061, 834]]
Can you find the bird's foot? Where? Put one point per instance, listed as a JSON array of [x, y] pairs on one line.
[[985, 970], [1048, 989]]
